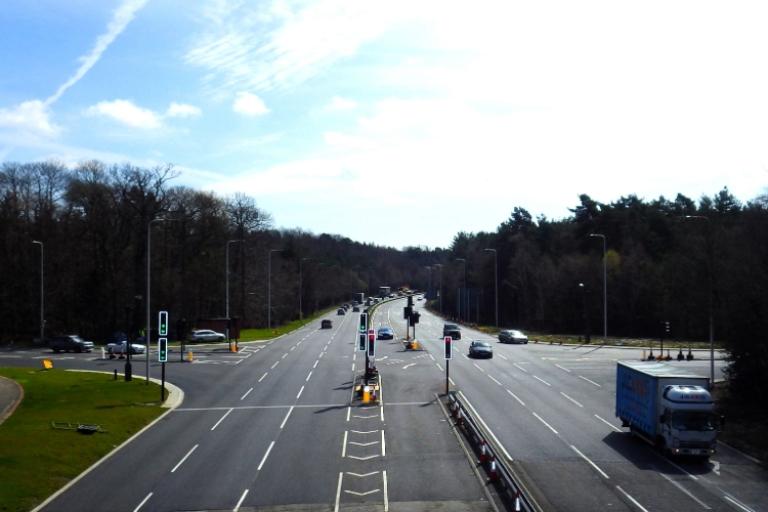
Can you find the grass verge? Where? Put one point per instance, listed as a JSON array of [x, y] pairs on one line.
[[744, 424], [35, 458], [266, 334]]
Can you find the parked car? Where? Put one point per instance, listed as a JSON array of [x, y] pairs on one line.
[[480, 349], [512, 336], [119, 349], [206, 335], [341, 311], [70, 343], [452, 330], [356, 309], [326, 324], [385, 333]]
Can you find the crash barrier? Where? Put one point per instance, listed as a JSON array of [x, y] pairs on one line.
[[491, 457]]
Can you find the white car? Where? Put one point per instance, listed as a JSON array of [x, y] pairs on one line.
[[206, 335], [119, 349]]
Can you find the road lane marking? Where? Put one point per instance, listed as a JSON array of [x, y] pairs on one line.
[[737, 503], [293, 348], [240, 501], [571, 399], [338, 493], [266, 454], [542, 380], [614, 427], [363, 432], [633, 500], [386, 498], [366, 493], [263, 376], [480, 419], [494, 380], [273, 366], [590, 381], [344, 445], [286, 417], [503, 357], [221, 419], [476, 366], [184, 458], [353, 366], [364, 475], [349, 411], [516, 398], [368, 457], [439, 367], [142, 502], [284, 355], [520, 367], [686, 491], [315, 365], [308, 376], [321, 355], [431, 357], [246, 394], [383, 445], [591, 463], [451, 381], [545, 423], [564, 369], [300, 392]]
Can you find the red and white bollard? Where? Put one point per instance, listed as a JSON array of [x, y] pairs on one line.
[[493, 472], [483, 452], [517, 502]]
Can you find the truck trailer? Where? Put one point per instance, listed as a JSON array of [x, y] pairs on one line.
[[667, 407]]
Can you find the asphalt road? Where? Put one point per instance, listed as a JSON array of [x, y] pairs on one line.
[[273, 427], [552, 408]]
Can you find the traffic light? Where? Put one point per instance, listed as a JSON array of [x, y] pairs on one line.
[[363, 322], [407, 312], [162, 350], [361, 342], [162, 323], [448, 342], [666, 327], [371, 343], [415, 317]]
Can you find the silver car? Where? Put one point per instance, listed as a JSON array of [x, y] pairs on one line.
[[512, 336], [119, 349], [206, 335]]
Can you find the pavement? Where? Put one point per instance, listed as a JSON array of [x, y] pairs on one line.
[[11, 395]]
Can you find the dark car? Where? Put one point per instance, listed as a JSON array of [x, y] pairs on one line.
[[341, 311], [356, 309], [452, 330], [385, 333], [512, 336], [70, 343], [480, 349], [326, 324]]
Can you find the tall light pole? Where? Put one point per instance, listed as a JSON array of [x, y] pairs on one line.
[[147, 336], [461, 299], [440, 291], [429, 280], [301, 287], [226, 280], [605, 286], [495, 281], [710, 250], [269, 287], [42, 290]]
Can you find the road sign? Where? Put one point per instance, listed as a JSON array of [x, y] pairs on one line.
[[162, 323], [162, 350], [448, 342], [371, 343], [361, 342], [363, 322]]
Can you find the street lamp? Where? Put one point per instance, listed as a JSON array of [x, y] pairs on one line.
[[226, 280], [301, 287], [710, 250], [429, 280], [495, 280], [42, 290], [584, 312], [147, 336], [440, 289], [461, 306], [269, 287], [605, 287]]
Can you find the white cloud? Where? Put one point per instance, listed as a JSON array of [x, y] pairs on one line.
[[29, 117], [339, 103], [248, 104], [182, 110], [127, 113]]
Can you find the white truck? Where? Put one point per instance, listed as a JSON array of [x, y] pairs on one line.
[[670, 408]]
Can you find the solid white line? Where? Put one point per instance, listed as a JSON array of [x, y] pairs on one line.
[[309, 376], [494, 380], [590, 381], [338, 493], [542, 380], [240, 501], [263, 376], [222, 419], [614, 427], [264, 459], [383, 445], [545, 423], [480, 419], [286, 417], [520, 367], [633, 500], [349, 411], [440, 367], [300, 391], [571, 399], [686, 491], [142, 502], [184, 458], [315, 365], [503, 357], [591, 463], [516, 398], [344, 445], [386, 498], [737, 503], [246, 394], [273, 366], [475, 365], [564, 369]]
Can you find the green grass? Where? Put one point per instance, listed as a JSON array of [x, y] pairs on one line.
[[266, 334], [36, 459]]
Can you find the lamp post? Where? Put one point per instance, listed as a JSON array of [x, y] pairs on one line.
[[710, 250], [42, 290], [226, 281], [269, 287], [461, 307], [440, 289], [301, 287], [584, 312], [147, 337], [605, 286], [495, 280], [429, 280]]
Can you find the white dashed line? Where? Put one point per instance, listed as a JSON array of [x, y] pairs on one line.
[[315, 365], [440, 367], [338, 492], [349, 411], [286, 417], [562, 368], [383, 445], [475, 365], [494, 380], [386, 497], [614, 427], [686, 491], [503, 357], [545, 423], [146, 499], [571, 399], [264, 459], [542, 380], [590, 381], [737, 503], [221, 419], [630, 498], [284, 355], [308, 376], [300, 392], [344, 445], [184, 458], [520, 367], [516, 398], [431, 357], [273, 366], [263, 376], [591, 463], [246, 394]]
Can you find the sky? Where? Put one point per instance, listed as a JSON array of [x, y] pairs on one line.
[[398, 123]]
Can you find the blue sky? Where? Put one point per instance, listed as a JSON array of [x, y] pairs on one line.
[[400, 122]]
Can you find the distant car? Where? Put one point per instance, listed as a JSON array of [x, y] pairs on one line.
[[385, 333], [326, 324], [480, 349], [341, 311], [452, 330], [206, 335], [70, 343], [512, 336], [356, 309], [119, 349]]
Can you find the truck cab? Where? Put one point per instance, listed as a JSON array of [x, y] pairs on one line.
[[688, 422]]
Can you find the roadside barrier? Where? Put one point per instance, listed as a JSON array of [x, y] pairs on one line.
[[498, 467]]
